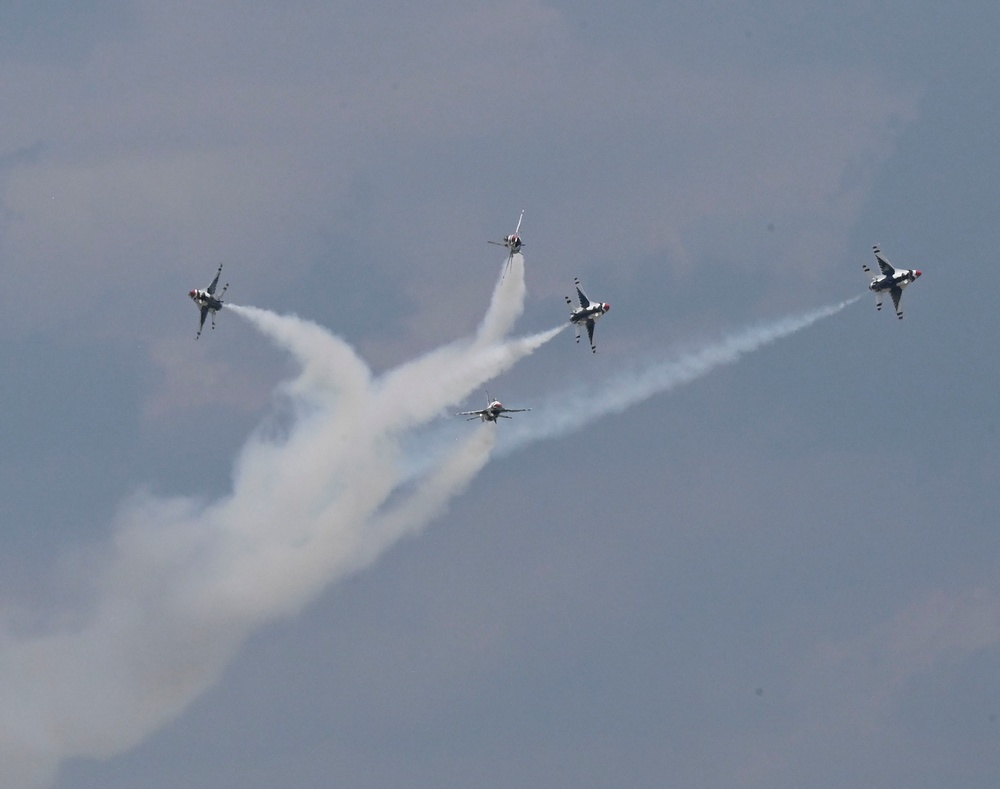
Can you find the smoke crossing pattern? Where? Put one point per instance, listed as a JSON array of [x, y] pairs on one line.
[[183, 583]]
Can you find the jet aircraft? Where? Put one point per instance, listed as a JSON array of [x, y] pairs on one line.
[[892, 280], [493, 411], [207, 301], [587, 313], [512, 242]]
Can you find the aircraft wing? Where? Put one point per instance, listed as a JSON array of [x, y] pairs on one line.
[[201, 324], [471, 413], [584, 301], [516, 410], [590, 332], [896, 293], [211, 288], [883, 264]]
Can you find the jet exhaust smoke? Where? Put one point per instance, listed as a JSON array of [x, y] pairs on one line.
[[567, 412], [182, 583], [506, 305]]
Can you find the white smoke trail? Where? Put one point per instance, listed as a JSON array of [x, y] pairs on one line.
[[430, 498], [419, 390], [182, 584], [567, 412], [507, 303]]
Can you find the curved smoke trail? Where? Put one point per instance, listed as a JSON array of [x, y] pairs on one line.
[[183, 583]]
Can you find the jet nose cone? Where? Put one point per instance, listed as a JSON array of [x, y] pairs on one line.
[[917, 273], [191, 293]]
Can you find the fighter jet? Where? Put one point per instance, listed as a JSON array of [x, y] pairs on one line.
[[588, 312], [512, 242], [892, 280], [493, 411], [207, 301]]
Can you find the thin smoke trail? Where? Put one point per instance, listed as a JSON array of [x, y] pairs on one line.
[[436, 489], [568, 412], [506, 305]]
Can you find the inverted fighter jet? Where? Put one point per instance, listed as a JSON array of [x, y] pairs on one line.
[[587, 313], [892, 280], [207, 301]]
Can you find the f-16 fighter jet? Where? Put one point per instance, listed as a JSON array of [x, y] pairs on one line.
[[587, 313], [512, 242], [892, 280], [207, 301], [493, 411]]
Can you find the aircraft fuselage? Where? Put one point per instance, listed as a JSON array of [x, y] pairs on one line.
[[900, 280], [492, 413], [205, 300], [591, 313]]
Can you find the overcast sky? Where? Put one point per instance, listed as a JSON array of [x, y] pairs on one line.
[[784, 572]]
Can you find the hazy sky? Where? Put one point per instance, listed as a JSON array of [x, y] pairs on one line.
[[232, 563]]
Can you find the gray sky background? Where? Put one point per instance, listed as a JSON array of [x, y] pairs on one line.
[[782, 574]]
